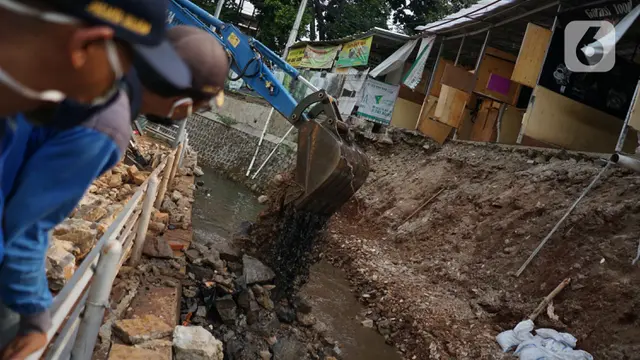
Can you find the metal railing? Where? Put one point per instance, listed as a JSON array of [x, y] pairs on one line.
[[87, 292]]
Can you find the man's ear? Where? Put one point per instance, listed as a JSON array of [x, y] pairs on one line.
[[82, 38]]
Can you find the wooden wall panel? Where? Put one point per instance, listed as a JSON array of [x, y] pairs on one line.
[[429, 127], [435, 90], [405, 114], [510, 125], [555, 119], [459, 78], [491, 64], [531, 56], [451, 106]]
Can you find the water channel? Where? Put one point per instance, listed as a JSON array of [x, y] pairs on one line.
[[222, 205]]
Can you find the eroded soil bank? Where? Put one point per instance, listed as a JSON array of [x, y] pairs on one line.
[[441, 285]]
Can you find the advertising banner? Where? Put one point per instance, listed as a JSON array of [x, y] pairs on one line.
[[378, 101], [355, 53], [295, 56], [413, 77], [319, 58]]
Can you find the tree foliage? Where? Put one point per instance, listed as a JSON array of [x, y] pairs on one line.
[[340, 18], [411, 13], [275, 20]]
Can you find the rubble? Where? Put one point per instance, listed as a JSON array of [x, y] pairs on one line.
[[255, 271], [136, 331], [196, 343], [60, 265], [157, 246], [81, 233], [124, 352]]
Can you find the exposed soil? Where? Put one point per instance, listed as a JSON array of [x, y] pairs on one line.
[[442, 284]]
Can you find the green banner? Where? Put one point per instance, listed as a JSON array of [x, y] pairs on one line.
[[355, 53], [319, 58]]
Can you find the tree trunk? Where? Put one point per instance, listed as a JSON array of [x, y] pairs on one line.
[[312, 29], [317, 6]]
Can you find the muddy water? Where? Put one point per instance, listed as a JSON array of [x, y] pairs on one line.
[[221, 206]]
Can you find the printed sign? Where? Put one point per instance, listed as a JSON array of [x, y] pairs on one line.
[[319, 58], [413, 77], [355, 53], [378, 101], [295, 56]]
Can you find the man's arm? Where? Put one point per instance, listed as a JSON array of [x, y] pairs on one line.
[[51, 182], [48, 188]]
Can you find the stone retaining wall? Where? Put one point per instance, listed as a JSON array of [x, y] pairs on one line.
[[230, 147]]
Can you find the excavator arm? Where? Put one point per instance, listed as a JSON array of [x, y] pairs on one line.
[[329, 166]]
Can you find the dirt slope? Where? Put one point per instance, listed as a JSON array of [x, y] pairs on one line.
[[441, 285]]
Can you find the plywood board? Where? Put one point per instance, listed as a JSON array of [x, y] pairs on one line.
[[435, 90], [531, 56], [429, 127], [510, 125], [634, 120], [485, 125], [500, 54], [555, 119], [451, 106], [405, 114], [493, 65], [459, 78]]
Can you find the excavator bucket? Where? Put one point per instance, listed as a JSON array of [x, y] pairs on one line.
[[330, 167]]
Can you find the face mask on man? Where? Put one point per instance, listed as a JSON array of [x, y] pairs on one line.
[[57, 96]]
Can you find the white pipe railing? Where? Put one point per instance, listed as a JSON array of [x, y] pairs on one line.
[[88, 290]]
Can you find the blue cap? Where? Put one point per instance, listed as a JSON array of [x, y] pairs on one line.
[[142, 24]]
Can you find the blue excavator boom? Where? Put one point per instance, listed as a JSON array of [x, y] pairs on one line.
[[329, 166]]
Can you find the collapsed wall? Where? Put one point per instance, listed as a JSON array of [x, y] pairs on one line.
[[439, 280]]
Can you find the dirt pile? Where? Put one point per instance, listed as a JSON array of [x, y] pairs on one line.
[[441, 284]]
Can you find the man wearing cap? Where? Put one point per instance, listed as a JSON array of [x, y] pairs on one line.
[[65, 61], [42, 195], [78, 49]]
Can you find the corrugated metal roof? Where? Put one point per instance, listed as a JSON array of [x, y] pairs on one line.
[[383, 34]]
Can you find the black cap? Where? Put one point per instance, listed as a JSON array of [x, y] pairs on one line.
[[141, 23]]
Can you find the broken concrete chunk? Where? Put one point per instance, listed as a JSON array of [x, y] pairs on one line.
[[139, 177], [224, 247], [136, 331], [132, 171], [156, 227], [61, 264], [160, 217], [115, 180], [91, 213], [200, 272], [81, 233], [158, 247], [162, 347], [124, 352], [307, 320], [226, 308], [196, 343], [168, 205], [288, 349], [255, 271], [197, 171], [176, 196], [262, 199]]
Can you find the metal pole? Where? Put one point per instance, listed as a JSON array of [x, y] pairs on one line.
[[459, 51], [272, 152], [482, 51], [503, 108], [219, 8], [180, 134], [165, 181], [625, 125], [141, 234], [475, 71], [176, 162], [294, 30], [292, 39], [566, 215], [431, 81], [185, 144], [97, 302], [546, 54]]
